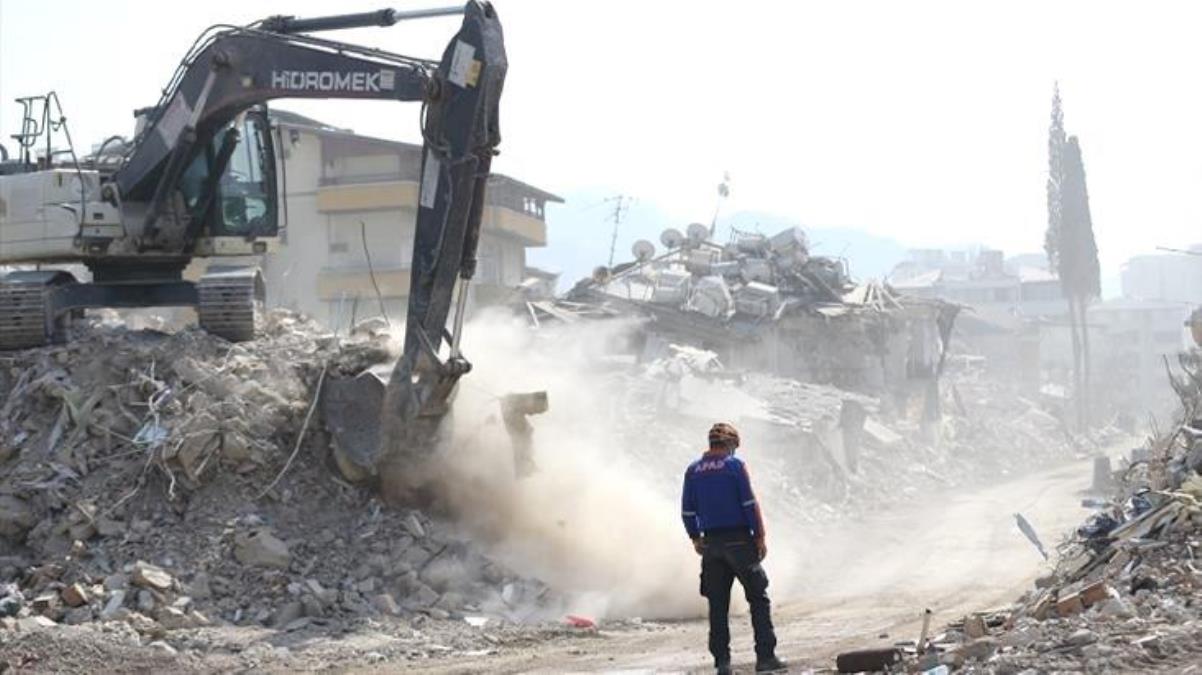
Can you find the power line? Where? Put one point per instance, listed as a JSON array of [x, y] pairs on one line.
[[1188, 252]]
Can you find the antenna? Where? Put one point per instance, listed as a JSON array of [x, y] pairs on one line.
[[621, 206], [723, 193]]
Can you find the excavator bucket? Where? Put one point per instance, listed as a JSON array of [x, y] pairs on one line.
[[351, 409]]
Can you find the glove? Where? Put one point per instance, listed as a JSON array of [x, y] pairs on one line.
[[761, 548], [699, 545]]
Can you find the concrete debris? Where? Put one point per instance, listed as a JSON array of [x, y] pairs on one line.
[[114, 605], [868, 660], [75, 595], [261, 548], [287, 614], [33, 623], [974, 626], [151, 577], [386, 604], [414, 525], [831, 452], [766, 307], [16, 517], [131, 495], [1126, 593]]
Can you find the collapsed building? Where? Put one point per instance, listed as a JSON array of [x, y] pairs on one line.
[[765, 303]]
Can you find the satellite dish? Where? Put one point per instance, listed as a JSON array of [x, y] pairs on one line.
[[698, 232], [671, 238], [643, 250]]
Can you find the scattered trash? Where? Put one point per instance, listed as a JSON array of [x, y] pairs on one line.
[[1029, 533], [579, 621], [868, 660]]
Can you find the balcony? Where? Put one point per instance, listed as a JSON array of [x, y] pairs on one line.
[[398, 194], [367, 196]]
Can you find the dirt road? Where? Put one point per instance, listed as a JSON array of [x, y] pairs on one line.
[[866, 584]]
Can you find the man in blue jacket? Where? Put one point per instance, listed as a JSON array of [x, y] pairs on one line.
[[726, 525]]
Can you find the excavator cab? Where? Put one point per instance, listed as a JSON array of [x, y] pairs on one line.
[[242, 201]]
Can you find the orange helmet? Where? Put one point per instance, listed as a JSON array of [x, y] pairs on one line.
[[723, 434]]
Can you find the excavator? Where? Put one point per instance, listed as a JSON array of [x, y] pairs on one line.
[[199, 180]]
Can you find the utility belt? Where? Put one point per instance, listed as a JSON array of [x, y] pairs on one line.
[[725, 535]]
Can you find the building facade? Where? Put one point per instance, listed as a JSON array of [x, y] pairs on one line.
[[349, 215], [1166, 277], [1135, 341], [1006, 292]]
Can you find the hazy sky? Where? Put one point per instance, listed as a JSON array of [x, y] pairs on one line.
[[923, 121]]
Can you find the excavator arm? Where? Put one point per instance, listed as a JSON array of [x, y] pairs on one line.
[[233, 69]]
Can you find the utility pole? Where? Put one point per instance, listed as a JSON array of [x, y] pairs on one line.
[[621, 206]]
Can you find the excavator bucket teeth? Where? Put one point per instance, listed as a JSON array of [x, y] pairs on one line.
[[351, 409]]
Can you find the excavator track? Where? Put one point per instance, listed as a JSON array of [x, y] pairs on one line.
[[227, 305], [24, 315]]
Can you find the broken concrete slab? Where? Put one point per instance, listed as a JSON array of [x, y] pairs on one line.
[[16, 517], [386, 604], [1069, 605], [974, 626], [979, 649], [114, 605], [35, 623], [151, 577], [75, 595], [880, 434], [261, 548], [287, 614]]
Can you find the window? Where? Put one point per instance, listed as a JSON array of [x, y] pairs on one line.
[[244, 191], [242, 201]]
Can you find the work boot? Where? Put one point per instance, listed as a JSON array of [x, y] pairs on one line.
[[770, 665], [723, 667]]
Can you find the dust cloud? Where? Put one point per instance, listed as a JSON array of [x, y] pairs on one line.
[[599, 521], [592, 523]]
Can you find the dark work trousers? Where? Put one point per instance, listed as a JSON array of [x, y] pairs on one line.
[[731, 555]]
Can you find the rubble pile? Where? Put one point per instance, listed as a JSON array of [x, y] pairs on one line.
[[145, 479], [1126, 593], [764, 303], [754, 276], [822, 452]]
